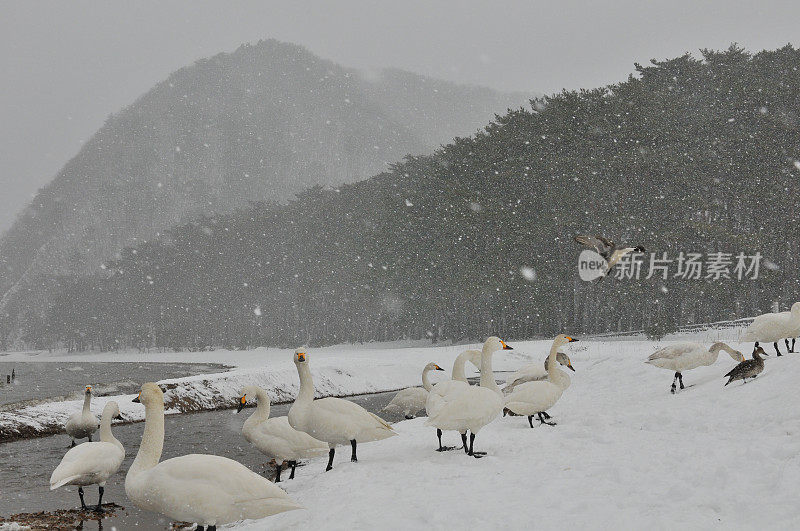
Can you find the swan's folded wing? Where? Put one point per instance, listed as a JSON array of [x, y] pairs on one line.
[[99, 459], [674, 351]]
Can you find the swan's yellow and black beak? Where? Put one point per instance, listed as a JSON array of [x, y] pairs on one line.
[[301, 357], [240, 405], [137, 399], [439, 368], [505, 347], [570, 367], [88, 389], [570, 339]]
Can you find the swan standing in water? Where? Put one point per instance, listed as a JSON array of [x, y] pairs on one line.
[[82, 425], [408, 402], [436, 395], [535, 398], [682, 357], [274, 437], [208, 490], [472, 407], [333, 420], [92, 463], [772, 327]]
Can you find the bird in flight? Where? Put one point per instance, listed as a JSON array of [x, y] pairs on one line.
[[607, 249]]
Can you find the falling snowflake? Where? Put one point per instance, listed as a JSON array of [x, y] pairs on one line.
[[409, 203], [528, 273]]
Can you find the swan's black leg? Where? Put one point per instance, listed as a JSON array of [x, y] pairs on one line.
[[786, 340], [292, 464], [464, 444], [198, 528], [442, 448], [278, 468], [776, 348], [73, 444], [505, 411], [330, 459], [99, 508], [674, 382], [793, 340], [90, 438], [680, 379], [471, 444], [544, 413], [530, 420], [353, 457], [543, 421], [80, 494], [211, 528]]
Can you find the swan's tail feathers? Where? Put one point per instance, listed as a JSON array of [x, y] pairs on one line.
[[56, 483], [383, 423], [382, 431]]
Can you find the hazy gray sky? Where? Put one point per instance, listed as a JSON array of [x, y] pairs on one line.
[[67, 65]]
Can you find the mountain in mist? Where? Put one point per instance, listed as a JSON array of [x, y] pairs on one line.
[[258, 124], [686, 156]]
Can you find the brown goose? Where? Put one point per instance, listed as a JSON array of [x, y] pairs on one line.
[[749, 368]]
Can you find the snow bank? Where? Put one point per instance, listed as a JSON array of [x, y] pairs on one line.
[[626, 454]]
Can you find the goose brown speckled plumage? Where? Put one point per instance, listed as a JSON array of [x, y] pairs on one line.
[[749, 368]]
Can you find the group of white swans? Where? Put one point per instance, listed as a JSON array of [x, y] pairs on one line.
[[768, 327], [211, 490]]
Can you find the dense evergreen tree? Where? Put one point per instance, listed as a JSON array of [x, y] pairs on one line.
[[688, 155]]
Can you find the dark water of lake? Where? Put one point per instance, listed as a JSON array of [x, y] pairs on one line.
[[26, 465], [40, 381]]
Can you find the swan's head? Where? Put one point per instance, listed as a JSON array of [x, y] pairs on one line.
[[735, 354], [563, 339], [249, 393], [150, 395], [300, 356], [433, 367], [88, 390], [112, 408], [493, 344]]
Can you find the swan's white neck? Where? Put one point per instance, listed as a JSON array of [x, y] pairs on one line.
[[152, 439], [306, 393], [262, 406], [86, 402], [105, 429], [426, 383], [458, 366], [551, 363], [487, 375]]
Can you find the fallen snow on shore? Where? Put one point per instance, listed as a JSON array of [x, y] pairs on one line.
[[626, 454]]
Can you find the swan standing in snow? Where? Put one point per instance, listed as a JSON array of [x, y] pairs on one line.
[[208, 490], [333, 420], [535, 398], [772, 327], [472, 407], [274, 437], [749, 368], [84, 424], [533, 372], [408, 402], [458, 381], [92, 463], [682, 357]]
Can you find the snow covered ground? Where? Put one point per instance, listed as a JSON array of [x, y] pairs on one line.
[[626, 454]]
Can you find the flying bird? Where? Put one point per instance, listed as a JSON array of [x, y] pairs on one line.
[[607, 249]]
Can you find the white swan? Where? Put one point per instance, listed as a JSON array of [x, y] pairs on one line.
[[682, 357], [84, 424], [772, 327], [472, 407], [208, 490], [92, 463], [274, 437], [535, 372], [408, 402], [535, 398], [458, 381], [333, 420]]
